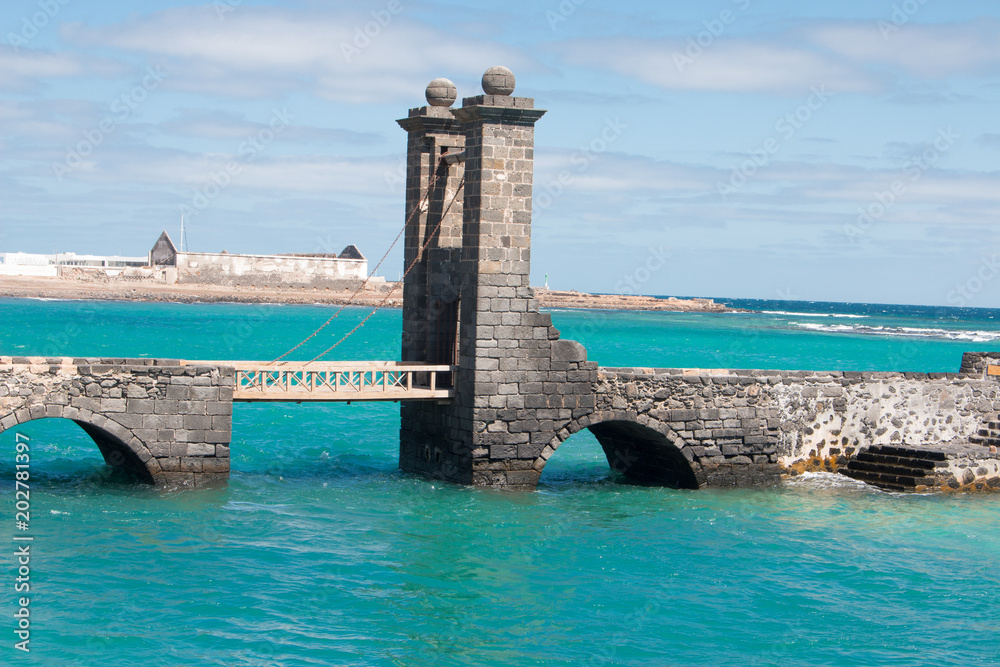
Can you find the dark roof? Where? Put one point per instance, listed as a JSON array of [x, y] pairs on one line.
[[351, 252]]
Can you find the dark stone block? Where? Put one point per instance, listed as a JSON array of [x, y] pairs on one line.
[[568, 351]]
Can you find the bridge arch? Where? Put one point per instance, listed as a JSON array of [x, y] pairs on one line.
[[639, 446], [119, 446]]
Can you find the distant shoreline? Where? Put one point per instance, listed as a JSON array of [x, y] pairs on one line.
[[120, 290], [573, 299]]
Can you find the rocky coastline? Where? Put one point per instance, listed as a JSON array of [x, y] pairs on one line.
[[574, 299], [387, 292]]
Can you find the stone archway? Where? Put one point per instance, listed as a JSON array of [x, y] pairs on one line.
[[640, 447], [644, 454], [119, 446]]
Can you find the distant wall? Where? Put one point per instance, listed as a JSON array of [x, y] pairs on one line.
[[268, 270], [24, 264], [28, 270], [53, 266]]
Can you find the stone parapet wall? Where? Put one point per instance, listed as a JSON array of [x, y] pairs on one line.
[[165, 422], [800, 417], [977, 363]]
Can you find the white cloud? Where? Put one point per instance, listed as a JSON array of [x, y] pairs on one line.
[[924, 51], [726, 66], [616, 173], [318, 174], [215, 124], [267, 173], [650, 194], [24, 69], [846, 57], [57, 121], [257, 52]]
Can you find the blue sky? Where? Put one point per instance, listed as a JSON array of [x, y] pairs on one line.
[[840, 151]]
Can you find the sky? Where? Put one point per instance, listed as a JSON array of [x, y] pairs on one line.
[[838, 151]]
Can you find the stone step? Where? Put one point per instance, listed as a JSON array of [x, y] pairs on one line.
[[992, 440], [896, 467], [884, 481], [867, 456], [885, 469], [908, 452]]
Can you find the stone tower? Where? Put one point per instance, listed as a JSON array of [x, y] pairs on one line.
[[467, 299]]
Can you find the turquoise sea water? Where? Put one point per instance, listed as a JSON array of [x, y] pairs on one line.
[[320, 552]]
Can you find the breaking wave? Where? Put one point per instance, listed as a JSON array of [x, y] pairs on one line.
[[826, 481], [841, 315], [902, 332]]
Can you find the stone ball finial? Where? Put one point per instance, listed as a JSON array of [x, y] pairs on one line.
[[498, 81], [441, 93]]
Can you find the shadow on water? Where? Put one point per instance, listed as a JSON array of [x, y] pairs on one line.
[[61, 454], [580, 462]]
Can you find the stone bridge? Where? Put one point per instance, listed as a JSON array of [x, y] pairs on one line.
[[520, 390], [691, 428], [510, 390], [164, 422], [169, 422]]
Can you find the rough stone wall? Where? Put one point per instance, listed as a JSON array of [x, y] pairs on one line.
[[828, 416], [427, 295], [968, 473], [269, 270], [524, 380], [167, 423], [742, 427], [433, 283], [977, 363], [723, 425]]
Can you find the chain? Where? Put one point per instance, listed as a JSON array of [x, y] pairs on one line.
[[416, 259], [423, 203]]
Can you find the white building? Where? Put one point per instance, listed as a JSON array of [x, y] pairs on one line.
[[291, 270], [52, 266], [167, 264]]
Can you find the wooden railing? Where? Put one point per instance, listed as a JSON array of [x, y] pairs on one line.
[[340, 381]]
